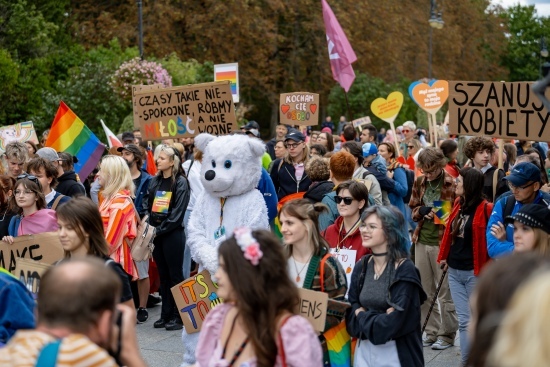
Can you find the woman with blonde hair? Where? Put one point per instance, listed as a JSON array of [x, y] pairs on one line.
[[117, 210], [522, 338], [531, 229]]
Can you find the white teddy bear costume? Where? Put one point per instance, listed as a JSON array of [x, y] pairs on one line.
[[231, 170]]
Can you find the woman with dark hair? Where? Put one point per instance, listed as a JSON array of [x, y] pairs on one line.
[[385, 294], [167, 199], [81, 234], [449, 147], [256, 324], [30, 206], [6, 196], [463, 248], [326, 140], [540, 158], [309, 257], [317, 150], [352, 198], [396, 172]]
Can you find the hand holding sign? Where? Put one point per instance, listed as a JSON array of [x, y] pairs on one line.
[[387, 109]]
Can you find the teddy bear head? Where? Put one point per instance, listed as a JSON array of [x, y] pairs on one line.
[[231, 164]]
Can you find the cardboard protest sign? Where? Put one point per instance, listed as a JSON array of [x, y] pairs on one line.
[[21, 132], [229, 72], [357, 123], [195, 297], [299, 108], [43, 247], [185, 111], [30, 272], [313, 306], [496, 109], [141, 88]]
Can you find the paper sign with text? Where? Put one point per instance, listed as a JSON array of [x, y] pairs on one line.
[[43, 247], [498, 110], [195, 297], [299, 108], [357, 123], [430, 97], [29, 272], [186, 111], [141, 88], [347, 259], [313, 306]]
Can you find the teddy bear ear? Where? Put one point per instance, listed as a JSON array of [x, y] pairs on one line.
[[256, 146], [202, 140]]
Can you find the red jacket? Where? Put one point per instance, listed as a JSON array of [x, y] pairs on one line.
[[479, 239], [452, 169], [353, 242]]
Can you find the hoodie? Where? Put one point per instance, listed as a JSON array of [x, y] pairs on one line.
[[69, 186], [317, 190]]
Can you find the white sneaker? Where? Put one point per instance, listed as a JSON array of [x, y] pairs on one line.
[[441, 345]]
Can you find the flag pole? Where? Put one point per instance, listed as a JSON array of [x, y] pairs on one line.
[[350, 117]]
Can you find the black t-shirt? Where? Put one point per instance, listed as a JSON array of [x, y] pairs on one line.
[[161, 202], [461, 255], [5, 223], [124, 277], [137, 181]]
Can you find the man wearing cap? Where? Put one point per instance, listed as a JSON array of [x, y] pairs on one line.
[[288, 173], [128, 138], [133, 157], [524, 182], [280, 132]]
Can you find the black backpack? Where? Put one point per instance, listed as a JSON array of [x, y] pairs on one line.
[[410, 183]]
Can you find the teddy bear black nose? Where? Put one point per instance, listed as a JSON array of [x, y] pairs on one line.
[[209, 175]]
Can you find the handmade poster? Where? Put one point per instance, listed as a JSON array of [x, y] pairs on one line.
[[357, 123], [141, 88], [161, 203], [229, 72], [347, 259], [429, 96], [299, 108], [29, 272], [195, 297], [498, 110], [442, 210], [21, 132], [387, 109], [43, 247], [185, 111], [313, 306]]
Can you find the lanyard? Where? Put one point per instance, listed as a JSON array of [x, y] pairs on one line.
[[222, 204], [350, 232]]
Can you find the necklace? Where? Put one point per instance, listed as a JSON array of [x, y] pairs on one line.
[[432, 188], [303, 267], [378, 273]]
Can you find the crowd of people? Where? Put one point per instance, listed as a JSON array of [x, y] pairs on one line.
[[418, 221]]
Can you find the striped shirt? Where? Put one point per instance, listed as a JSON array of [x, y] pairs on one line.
[[75, 350]]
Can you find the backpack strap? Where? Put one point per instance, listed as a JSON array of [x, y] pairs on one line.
[[280, 339], [48, 354], [56, 201], [280, 164], [509, 206], [495, 181], [322, 270], [191, 165]]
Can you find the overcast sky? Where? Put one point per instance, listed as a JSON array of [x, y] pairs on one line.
[[543, 6]]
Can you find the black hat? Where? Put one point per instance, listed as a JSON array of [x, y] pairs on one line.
[[252, 125], [296, 136], [532, 215], [132, 148], [128, 136]]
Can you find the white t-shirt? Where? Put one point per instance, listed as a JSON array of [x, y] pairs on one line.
[[194, 180]]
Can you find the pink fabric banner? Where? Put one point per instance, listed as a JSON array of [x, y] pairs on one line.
[[339, 49]]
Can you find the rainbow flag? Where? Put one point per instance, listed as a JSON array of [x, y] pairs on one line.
[[442, 211], [340, 346], [228, 72], [69, 134]]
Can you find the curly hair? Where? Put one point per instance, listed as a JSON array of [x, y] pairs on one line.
[[477, 144], [342, 166], [431, 157], [318, 169]]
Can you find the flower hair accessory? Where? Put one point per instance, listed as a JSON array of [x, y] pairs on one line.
[[249, 245]]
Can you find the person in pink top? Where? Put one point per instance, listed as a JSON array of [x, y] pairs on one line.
[[30, 206], [259, 296]]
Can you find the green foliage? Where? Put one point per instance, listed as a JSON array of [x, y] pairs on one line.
[[188, 72]]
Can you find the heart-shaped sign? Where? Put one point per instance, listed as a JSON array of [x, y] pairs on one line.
[[430, 97], [313, 107], [387, 109], [285, 108]]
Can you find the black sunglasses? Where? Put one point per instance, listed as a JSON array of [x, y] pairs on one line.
[[29, 177], [339, 199]]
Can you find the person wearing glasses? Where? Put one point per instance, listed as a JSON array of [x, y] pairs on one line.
[[408, 129], [352, 198], [385, 294], [524, 182], [434, 187], [30, 206], [288, 174]]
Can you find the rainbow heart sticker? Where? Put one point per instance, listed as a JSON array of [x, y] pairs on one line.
[[430, 97]]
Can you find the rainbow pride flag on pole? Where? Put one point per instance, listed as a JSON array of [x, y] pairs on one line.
[[69, 134]]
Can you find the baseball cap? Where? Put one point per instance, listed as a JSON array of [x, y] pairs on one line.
[[48, 154], [251, 125], [296, 136], [132, 148], [128, 136], [532, 215], [369, 149], [254, 132], [523, 173]]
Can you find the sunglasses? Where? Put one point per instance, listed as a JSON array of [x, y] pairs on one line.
[[410, 146], [406, 130], [339, 199], [29, 177]]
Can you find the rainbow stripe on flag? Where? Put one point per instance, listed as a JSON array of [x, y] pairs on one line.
[[442, 210], [69, 134], [228, 72], [340, 346]]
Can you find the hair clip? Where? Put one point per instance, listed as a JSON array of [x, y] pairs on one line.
[[248, 244]]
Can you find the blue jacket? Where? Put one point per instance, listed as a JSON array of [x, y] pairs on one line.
[[267, 189], [496, 248], [328, 218], [400, 190], [16, 307], [141, 191], [61, 201]]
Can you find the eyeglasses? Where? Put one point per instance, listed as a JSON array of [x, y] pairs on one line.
[[431, 172], [23, 192], [29, 177], [369, 228], [339, 199], [512, 187], [292, 146]]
